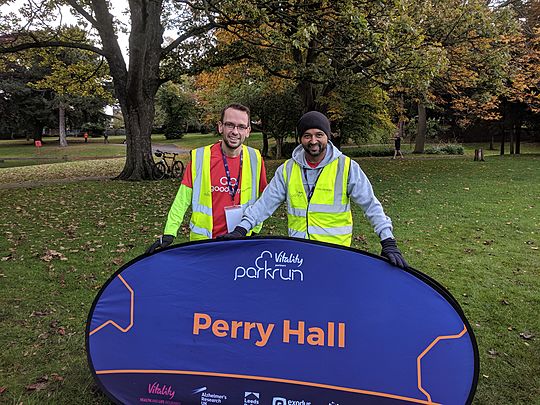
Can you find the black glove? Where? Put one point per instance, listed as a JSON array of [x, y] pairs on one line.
[[162, 242], [238, 232], [392, 253]]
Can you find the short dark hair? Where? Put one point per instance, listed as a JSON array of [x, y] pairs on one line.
[[239, 107]]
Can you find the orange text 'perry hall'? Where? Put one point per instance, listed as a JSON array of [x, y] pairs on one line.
[[294, 332]]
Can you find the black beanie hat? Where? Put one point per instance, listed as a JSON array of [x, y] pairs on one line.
[[314, 119]]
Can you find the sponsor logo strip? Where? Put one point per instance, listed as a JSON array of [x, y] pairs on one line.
[[270, 379]]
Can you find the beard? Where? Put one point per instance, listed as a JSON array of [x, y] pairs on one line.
[[314, 150]]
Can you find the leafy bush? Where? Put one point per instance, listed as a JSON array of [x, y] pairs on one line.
[[93, 128], [368, 152], [173, 132], [286, 150], [447, 149], [435, 129]]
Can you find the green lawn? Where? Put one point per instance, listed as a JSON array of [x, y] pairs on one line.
[[473, 226]]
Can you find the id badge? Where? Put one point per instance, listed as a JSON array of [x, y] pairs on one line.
[[233, 215]]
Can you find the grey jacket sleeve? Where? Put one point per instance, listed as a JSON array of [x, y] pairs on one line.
[[273, 195], [361, 192]]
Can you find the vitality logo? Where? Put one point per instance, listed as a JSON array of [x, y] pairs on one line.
[[273, 266]]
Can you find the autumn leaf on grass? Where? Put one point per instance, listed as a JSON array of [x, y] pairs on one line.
[[118, 261], [40, 384], [52, 254], [2, 390], [526, 335], [6, 258]]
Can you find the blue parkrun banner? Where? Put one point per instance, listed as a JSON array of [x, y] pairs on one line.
[[278, 321]]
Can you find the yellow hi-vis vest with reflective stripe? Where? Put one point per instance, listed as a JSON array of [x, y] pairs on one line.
[[326, 217], [201, 222]]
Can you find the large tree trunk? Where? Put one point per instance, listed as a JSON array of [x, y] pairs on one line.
[[264, 151], [518, 136], [279, 147], [511, 143], [135, 87], [306, 91], [139, 162], [422, 127], [62, 125]]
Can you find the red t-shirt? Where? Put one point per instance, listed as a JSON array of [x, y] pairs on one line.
[[220, 191]]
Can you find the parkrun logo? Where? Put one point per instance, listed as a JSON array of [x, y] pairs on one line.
[[276, 266], [224, 187]]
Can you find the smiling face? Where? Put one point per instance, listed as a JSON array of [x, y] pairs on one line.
[[314, 142], [234, 130]]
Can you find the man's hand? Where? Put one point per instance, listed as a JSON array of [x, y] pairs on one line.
[[392, 253], [238, 232], [162, 242]]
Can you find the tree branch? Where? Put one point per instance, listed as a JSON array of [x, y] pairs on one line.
[[47, 44], [83, 12]]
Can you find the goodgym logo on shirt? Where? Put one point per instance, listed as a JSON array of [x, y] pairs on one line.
[[223, 187]]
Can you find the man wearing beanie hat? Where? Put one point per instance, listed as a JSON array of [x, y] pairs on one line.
[[318, 184]]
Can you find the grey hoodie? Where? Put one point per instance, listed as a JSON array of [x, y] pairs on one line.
[[358, 189]]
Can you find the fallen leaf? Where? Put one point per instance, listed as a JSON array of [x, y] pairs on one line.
[[2, 390], [61, 331], [526, 335], [52, 254], [492, 352], [504, 302], [118, 261], [6, 258], [40, 384]]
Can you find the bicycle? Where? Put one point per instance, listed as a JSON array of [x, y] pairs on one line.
[[175, 169]]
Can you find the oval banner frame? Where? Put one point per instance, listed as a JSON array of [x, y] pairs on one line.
[[278, 321]]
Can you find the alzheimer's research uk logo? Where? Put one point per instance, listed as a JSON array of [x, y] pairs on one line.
[[273, 266]]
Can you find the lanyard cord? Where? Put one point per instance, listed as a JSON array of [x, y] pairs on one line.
[[232, 191], [311, 190]]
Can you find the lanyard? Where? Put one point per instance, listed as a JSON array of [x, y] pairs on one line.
[[232, 191], [311, 189]]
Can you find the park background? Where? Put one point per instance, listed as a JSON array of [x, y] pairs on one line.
[[452, 77]]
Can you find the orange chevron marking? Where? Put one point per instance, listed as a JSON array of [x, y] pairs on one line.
[[271, 379], [111, 322], [419, 359]]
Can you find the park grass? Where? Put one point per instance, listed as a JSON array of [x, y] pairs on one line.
[[473, 226]]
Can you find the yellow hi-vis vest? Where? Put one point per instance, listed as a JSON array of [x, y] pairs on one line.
[[201, 222], [327, 215]]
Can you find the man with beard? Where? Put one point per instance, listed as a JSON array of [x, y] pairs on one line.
[[318, 184], [219, 183]]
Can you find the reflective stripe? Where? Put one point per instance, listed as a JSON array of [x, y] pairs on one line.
[[254, 164], [201, 231], [339, 230], [203, 209], [199, 153], [338, 190], [297, 234], [297, 212], [338, 208]]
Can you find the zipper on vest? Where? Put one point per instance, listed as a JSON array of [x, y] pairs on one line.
[[309, 195]]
